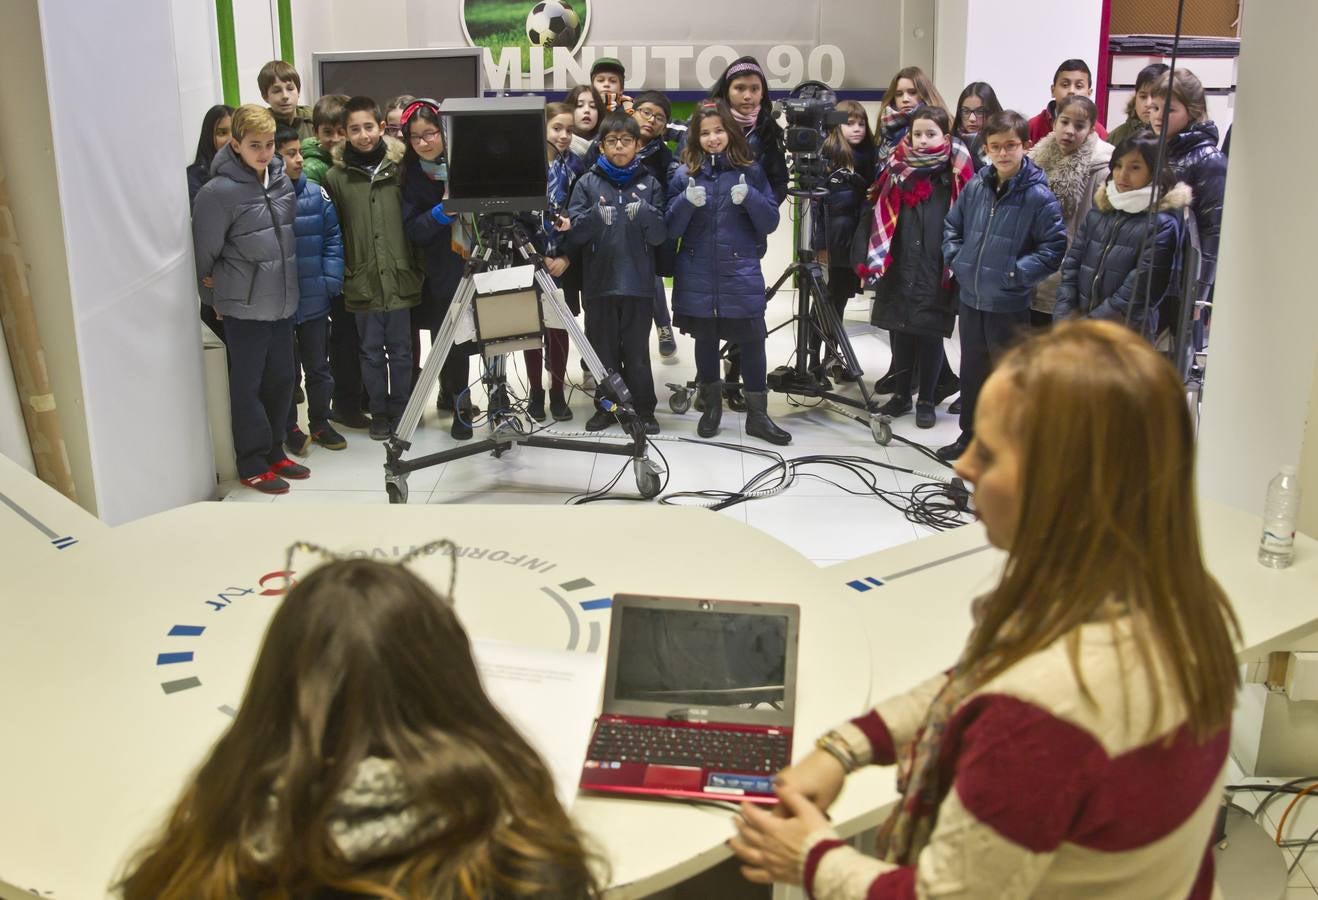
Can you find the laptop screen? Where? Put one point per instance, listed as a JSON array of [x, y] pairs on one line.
[[708, 659]]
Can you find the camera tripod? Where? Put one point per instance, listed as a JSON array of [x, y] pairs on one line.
[[505, 243], [814, 315]]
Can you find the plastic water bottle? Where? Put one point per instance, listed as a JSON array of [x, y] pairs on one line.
[[1277, 546]]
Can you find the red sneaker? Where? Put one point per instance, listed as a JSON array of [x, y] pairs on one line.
[[289, 469], [267, 483]]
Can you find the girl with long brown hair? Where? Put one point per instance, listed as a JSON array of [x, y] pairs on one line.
[[365, 760], [1100, 670], [909, 90]]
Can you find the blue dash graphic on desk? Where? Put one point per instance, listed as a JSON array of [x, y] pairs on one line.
[[601, 603], [865, 584]]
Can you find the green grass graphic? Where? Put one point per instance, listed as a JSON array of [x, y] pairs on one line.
[[502, 23]]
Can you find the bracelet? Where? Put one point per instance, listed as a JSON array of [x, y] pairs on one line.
[[837, 747]]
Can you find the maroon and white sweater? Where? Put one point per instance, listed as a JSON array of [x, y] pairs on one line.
[[1051, 796]]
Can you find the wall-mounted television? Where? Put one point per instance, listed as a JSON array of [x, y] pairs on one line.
[[435, 72]]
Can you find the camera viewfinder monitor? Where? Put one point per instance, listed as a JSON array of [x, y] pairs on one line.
[[496, 154]]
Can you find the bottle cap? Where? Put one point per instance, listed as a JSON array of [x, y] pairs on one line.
[[1289, 470]]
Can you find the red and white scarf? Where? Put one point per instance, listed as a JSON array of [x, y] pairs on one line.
[[906, 181]]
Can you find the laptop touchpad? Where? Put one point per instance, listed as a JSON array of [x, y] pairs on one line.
[[673, 778]]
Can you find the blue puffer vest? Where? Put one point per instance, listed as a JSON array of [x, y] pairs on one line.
[[319, 251], [718, 260]]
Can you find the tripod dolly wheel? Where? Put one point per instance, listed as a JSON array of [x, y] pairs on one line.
[[648, 480], [680, 401], [881, 428], [397, 491]]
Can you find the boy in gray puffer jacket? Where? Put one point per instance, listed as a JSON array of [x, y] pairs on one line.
[[246, 256]]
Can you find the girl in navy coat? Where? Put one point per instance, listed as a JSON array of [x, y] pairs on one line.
[[723, 209], [429, 228]]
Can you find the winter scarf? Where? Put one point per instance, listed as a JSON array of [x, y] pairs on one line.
[[893, 125], [906, 181], [618, 176], [435, 171], [1136, 201], [1069, 176], [560, 174], [747, 120], [368, 160], [374, 817]]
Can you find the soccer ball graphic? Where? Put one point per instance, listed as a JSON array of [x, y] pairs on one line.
[[552, 23]]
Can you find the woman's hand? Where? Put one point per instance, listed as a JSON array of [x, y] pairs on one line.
[[769, 845], [818, 778], [562, 223], [207, 281], [556, 265], [821, 256]]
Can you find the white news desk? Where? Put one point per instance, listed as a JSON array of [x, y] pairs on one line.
[[123, 651]]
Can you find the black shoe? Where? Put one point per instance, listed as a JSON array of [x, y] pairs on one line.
[[299, 396], [955, 407], [898, 405], [297, 442], [948, 385], [711, 395], [351, 419], [650, 422], [887, 384], [558, 407], [954, 450], [667, 343], [600, 420], [758, 423], [736, 400], [535, 407], [328, 438], [460, 429], [925, 417], [380, 428]]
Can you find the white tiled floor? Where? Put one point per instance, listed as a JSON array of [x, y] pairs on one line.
[[1300, 824], [805, 516]]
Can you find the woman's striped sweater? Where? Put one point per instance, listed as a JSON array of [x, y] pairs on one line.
[[1051, 796]]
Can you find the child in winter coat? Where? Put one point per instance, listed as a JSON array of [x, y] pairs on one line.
[[614, 219], [1112, 271], [317, 151], [1137, 109], [915, 299], [1072, 79], [214, 135], [849, 150], [383, 282], [558, 159], [1075, 160], [909, 89], [1194, 158], [722, 207], [652, 111], [1002, 237], [320, 277], [246, 256], [977, 102], [429, 228]]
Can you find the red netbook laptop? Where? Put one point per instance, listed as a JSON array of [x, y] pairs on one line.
[[699, 699]]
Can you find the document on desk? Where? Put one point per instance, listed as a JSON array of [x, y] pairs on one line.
[[551, 696]]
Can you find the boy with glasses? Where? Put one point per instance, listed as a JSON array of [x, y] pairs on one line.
[[1002, 237], [616, 220], [652, 113]]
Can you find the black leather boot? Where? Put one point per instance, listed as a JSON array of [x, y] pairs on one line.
[[711, 395], [758, 423]]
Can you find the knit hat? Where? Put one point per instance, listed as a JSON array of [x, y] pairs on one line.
[[659, 99], [608, 64]]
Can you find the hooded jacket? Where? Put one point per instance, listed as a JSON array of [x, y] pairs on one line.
[[1194, 158], [1000, 246], [718, 262], [1104, 272], [316, 160], [835, 217], [1073, 180], [242, 236], [319, 251], [618, 259], [380, 272], [766, 139]]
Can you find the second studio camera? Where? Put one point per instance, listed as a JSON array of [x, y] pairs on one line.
[[811, 112]]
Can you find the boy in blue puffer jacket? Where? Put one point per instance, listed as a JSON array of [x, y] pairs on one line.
[[320, 277], [723, 208], [614, 218], [1002, 237]]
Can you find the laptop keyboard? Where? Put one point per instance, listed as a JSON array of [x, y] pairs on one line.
[[732, 751]]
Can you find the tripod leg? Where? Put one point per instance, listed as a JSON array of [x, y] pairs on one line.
[[439, 352], [835, 333]]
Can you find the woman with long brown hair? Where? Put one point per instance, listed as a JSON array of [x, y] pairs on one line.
[[1100, 670], [365, 761]]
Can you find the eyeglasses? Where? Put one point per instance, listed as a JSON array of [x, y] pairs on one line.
[[428, 137], [651, 116], [394, 130], [968, 112], [999, 149], [626, 141]]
